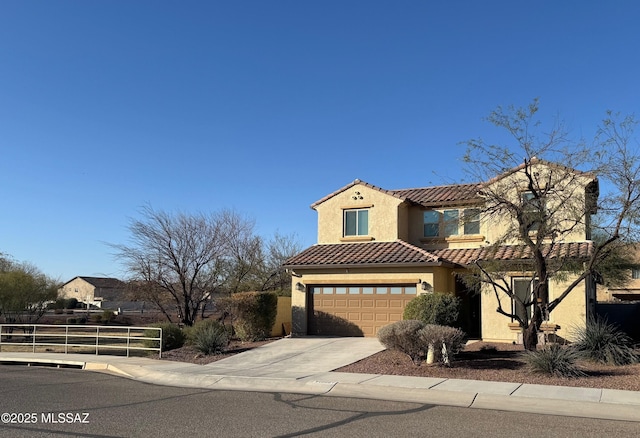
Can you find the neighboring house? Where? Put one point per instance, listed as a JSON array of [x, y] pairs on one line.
[[93, 290], [378, 249], [630, 291]]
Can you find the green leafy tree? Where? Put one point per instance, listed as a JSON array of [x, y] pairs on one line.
[[24, 291]]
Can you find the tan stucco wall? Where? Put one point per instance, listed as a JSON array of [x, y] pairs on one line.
[[569, 202], [383, 215], [283, 316], [569, 314], [632, 287], [78, 289]]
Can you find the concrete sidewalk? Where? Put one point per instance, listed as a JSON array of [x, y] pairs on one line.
[[304, 366]]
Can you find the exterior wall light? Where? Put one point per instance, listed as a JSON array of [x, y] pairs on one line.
[[300, 287], [426, 287]]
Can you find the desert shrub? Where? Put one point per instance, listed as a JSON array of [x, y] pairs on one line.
[[72, 321], [404, 336], [172, 336], [208, 336], [446, 341], [435, 308], [58, 304], [254, 314], [96, 318], [489, 349], [554, 360], [108, 316], [605, 343], [70, 303]]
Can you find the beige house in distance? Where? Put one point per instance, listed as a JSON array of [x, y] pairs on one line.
[[378, 249], [93, 290], [631, 290]]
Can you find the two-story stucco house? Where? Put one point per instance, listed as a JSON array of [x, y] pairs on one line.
[[93, 290], [378, 249]]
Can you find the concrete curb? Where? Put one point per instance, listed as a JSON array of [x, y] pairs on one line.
[[515, 397]]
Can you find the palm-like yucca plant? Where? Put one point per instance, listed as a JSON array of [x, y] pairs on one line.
[[605, 343], [554, 360]]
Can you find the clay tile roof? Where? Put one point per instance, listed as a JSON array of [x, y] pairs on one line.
[[367, 253], [466, 256], [440, 194]]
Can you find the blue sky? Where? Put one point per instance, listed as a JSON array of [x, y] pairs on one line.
[[266, 106]]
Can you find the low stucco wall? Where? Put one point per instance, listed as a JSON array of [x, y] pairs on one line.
[[283, 317]]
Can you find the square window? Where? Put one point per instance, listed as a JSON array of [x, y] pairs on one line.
[[381, 290], [367, 291], [396, 290], [354, 290], [635, 273], [341, 290], [356, 222]]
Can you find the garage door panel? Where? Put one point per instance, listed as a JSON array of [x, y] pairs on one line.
[[355, 314]]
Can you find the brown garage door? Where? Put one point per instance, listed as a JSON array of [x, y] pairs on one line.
[[356, 310]]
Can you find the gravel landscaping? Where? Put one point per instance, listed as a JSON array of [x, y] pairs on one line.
[[478, 361]]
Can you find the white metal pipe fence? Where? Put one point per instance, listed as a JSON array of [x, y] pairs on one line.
[[81, 338]]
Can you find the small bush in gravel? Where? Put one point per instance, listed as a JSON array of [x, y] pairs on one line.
[[404, 336], [208, 336], [446, 341], [605, 343], [435, 308], [172, 336], [554, 360]]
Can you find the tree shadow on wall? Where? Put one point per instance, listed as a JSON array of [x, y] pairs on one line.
[[326, 324]]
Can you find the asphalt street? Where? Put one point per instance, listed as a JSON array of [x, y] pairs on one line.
[[39, 402]]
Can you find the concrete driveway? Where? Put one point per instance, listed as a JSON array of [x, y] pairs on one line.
[[297, 357]]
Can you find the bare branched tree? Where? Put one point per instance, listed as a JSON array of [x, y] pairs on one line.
[[176, 260], [280, 248], [180, 261], [542, 200]]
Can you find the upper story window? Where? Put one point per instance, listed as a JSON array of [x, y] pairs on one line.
[[471, 219], [431, 223], [356, 222], [534, 209], [635, 273], [451, 222]]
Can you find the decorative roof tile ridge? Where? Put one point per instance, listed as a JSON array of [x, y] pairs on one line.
[[420, 250], [437, 186]]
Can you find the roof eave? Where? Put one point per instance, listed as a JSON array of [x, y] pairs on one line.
[[369, 265]]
